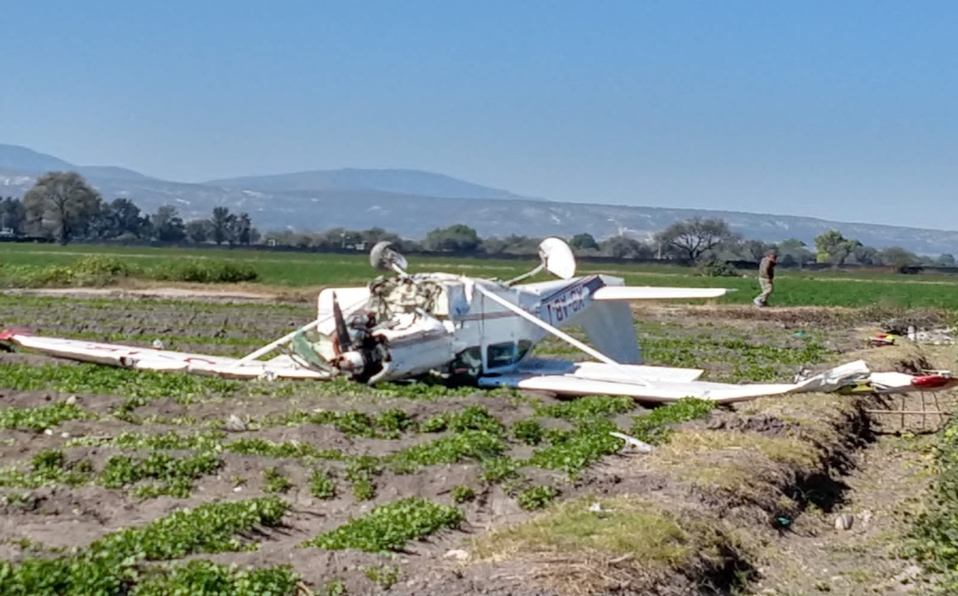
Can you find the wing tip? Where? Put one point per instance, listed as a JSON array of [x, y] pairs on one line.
[[9, 334]]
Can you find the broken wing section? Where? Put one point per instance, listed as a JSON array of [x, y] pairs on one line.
[[665, 385], [161, 360]]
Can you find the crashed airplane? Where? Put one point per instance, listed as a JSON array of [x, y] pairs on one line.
[[402, 326]]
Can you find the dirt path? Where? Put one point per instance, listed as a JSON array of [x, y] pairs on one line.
[[883, 493]]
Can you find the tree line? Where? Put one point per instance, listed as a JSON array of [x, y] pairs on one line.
[[708, 243], [62, 206]]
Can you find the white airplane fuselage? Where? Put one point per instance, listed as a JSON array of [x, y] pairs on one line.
[[466, 330]]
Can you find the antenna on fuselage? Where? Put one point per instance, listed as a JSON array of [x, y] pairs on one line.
[[557, 258]]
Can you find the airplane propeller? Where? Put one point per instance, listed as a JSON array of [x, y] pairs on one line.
[[343, 342]]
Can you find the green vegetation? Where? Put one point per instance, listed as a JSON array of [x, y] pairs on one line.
[[114, 564], [48, 467], [462, 494], [537, 497], [174, 476], [276, 480], [514, 441], [42, 417], [655, 427], [388, 424], [470, 418], [137, 385], [103, 270], [45, 265], [645, 538], [321, 484], [206, 577], [168, 475], [389, 527], [464, 445], [935, 534]]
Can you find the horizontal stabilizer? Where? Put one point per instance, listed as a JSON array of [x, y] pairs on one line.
[[655, 293]]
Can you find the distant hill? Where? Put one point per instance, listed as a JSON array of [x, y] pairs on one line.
[[411, 203], [409, 182]]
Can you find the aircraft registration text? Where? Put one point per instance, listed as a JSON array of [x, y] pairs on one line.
[[566, 304]]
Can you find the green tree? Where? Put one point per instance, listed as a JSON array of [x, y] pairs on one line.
[[694, 237], [623, 247], [584, 241], [221, 224], [240, 230], [13, 215], [831, 247], [455, 238], [794, 252], [199, 231], [61, 202], [128, 218], [946, 260], [897, 257], [167, 224]]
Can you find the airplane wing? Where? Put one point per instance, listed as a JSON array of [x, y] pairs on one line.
[[161, 360], [655, 293], [663, 385]]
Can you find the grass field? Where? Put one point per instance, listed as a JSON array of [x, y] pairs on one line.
[[299, 270]]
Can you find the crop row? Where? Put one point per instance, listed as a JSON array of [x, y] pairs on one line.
[[119, 563], [470, 435]]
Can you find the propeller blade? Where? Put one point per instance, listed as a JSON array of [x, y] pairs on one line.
[[342, 333]]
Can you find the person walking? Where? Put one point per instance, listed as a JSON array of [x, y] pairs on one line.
[[766, 276]]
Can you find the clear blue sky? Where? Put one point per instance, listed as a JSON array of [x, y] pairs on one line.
[[844, 110]]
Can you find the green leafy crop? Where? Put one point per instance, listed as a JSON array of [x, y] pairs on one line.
[[206, 577], [389, 527], [112, 566], [537, 497], [470, 418], [174, 475], [654, 427], [41, 418], [321, 484]]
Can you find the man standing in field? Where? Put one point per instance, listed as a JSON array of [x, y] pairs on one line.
[[766, 275]]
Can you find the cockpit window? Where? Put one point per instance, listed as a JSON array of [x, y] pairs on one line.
[[506, 353]]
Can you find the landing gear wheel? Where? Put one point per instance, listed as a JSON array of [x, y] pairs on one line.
[[383, 257]]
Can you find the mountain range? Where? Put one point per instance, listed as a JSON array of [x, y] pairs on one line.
[[413, 202]]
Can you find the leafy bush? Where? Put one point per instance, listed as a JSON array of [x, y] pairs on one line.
[[104, 266], [716, 268], [204, 271]]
